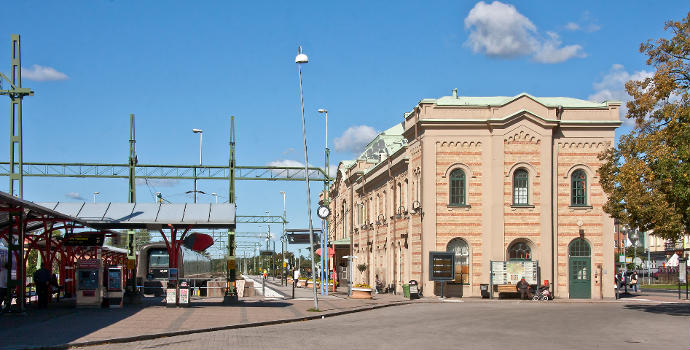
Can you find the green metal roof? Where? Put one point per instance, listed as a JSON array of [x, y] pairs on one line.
[[341, 242], [566, 102]]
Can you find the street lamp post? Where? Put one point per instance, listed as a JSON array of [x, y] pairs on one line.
[[299, 59], [283, 271], [201, 138], [215, 195], [326, 202], [94, 196]]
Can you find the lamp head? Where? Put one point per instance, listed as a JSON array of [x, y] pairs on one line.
[[323, 110], [301, 58], [197, 131]]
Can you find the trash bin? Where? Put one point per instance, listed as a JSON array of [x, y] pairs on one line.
[[485, 291], [406, 291], [413, 289]]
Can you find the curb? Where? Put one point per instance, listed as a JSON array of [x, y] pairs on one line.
[[207, 330]]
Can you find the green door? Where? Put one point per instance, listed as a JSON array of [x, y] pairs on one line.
[[580, 266]]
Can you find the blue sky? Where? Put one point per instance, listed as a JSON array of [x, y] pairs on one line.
[[182, 65]]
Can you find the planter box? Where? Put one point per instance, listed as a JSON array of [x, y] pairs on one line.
[[361, 293], [302, 283]]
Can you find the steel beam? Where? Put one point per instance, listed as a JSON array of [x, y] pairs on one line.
[[177, 172]]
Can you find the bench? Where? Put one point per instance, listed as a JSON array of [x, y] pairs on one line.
[[506, 288]]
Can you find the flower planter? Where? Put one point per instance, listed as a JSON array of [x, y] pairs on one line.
[[302, 283], [361, 293]]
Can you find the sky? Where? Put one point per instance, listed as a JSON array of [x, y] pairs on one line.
[[179, 65]]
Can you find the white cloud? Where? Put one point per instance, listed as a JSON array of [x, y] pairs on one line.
[[551, 52], [157, 182], [41, 73], [612, 87], [355, 138], [585, 24], [499, 30], [289, 150], [74, 195], [572, 26]]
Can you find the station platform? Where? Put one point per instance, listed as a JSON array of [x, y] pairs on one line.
[[62, 325]]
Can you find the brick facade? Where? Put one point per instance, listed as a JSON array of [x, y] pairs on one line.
[[393, 201]]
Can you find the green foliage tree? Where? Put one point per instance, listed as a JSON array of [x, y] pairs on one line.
[[646, 176]]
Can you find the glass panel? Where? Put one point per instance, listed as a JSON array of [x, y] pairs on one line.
[[578, 194], [520, 187], [457, 187], [88, 279], [462, 261], [579, 247], [158, 258]]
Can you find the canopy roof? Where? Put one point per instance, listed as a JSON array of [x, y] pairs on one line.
[[31, 211], [148, 215]]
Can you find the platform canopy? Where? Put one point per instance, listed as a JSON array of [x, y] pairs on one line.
[[148, 215], [31, 211]]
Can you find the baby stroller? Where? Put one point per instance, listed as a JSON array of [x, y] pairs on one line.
[[542, 293]]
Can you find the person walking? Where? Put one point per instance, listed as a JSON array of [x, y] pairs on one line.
[[42, 282], [633, 282]]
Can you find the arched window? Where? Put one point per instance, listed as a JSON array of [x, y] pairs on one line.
[[462, 259], [578, 185], [457, 187], [520, 251], [520, 187], [579, 247]]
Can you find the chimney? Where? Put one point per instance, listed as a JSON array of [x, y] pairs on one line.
[[455, 93]]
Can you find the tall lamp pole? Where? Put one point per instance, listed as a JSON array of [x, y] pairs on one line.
[[94, 196], [299, 59], [283, 273], [326, 202], [201, 139]]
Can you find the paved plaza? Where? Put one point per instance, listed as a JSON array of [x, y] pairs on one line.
[[468, 325], [644, 320]]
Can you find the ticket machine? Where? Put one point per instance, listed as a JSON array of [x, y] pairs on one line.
[[114, 286], [89, 283]]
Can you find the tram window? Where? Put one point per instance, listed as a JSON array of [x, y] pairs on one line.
[[158, 258]]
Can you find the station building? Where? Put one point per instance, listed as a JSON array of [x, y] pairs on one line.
[[488, 178]]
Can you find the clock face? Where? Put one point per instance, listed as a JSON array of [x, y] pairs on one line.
[[323, 212]]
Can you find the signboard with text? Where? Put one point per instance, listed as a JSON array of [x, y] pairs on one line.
[[84, 240], [441, 266], [510, 272]]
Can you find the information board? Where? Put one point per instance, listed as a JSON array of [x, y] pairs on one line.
[[84, 240], [184, 296], [170, 296], [510, 272], [441, 266], [683, 271]]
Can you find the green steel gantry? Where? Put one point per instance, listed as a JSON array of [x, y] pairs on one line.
[[16, 168]]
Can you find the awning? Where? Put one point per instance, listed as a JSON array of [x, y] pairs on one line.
[[340, 242], [148, 215]]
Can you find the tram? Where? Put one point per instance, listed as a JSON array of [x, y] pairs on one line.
[[152, 268]]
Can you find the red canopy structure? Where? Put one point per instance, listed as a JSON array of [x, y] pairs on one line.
[[331, 251]]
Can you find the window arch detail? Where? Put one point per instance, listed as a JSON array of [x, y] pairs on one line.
[[579, 247], [519, 251]]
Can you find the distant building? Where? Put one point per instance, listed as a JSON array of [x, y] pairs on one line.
[[488, 178]]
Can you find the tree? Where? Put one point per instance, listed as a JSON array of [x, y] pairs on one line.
[[646, 176]]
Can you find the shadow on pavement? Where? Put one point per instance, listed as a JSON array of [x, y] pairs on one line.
[[60, 323], [674, 309]]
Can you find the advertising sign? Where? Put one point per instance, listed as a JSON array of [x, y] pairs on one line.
[[170, 296], [683, 271], [441, 266], [184, 296]]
